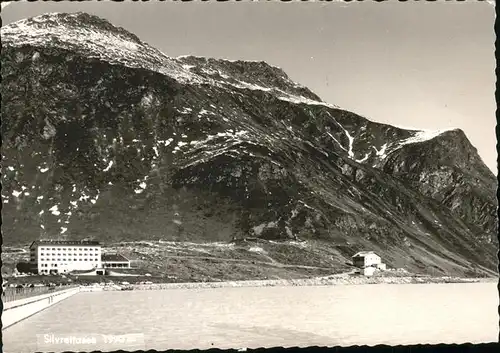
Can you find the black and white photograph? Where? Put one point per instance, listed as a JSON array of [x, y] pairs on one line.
[[251, 174]]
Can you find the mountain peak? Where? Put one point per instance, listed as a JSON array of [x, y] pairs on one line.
[[257, 75], [84, 35], [77, 20], [92, 37]]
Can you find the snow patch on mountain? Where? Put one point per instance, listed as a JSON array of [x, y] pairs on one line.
[[55, 210], [364, 159], [303, 100], [351, 141], [423, 135], [419, 136], [334, 139], [382, 152], [257, 249], [108, 167]]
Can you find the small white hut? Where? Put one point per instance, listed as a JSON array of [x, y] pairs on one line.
[[368, 262]]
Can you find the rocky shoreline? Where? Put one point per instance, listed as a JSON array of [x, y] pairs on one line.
[[324, 281]]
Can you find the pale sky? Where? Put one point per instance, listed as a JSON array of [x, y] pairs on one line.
[[422, 65]]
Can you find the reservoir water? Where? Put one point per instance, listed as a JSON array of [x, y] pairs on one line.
[[265, 317]]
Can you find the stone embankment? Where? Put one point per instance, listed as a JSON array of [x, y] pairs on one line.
[[321, 281]]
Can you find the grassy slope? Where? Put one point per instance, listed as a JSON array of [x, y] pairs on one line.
[[238, 261]]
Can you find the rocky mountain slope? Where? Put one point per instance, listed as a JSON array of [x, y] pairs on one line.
[[106, 137]]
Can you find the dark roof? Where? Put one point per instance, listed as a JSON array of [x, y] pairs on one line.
[[65, 242], [364, 253], [113, 258]]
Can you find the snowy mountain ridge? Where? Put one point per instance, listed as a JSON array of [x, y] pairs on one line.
[[121, 46]]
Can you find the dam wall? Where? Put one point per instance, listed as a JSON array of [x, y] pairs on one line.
[[17, 310]]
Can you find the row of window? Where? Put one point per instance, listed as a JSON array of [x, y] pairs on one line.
[[105, 265], [69, 248], [64, 259], [74, 250], [69, 254], [47, 271]]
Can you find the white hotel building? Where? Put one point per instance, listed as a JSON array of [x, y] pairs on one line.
[[58, 256]]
